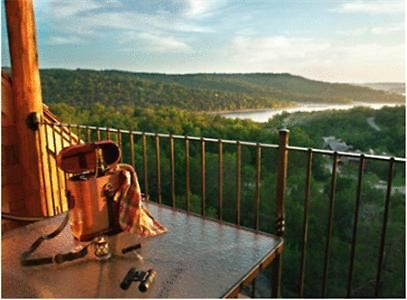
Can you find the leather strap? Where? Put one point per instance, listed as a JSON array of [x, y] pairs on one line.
[[59, 258]]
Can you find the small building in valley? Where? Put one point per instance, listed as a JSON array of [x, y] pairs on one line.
[[336, 144]]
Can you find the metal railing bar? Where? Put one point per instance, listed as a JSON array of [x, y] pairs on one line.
[[131, 141], [49, 169], [355, 226], [384, 228], [203, 177], [119, 142], [238, 182], [257, 188], [69, 126], [88, 132], [220, 180], [347, 154], [97, 133], [145, 166], [78, 133], [40, 142], [330, 225], [305, 222], [57, 171], [158, 167], [281, 185], [62, 130], [187, 179], [108, 130], [172, 170]]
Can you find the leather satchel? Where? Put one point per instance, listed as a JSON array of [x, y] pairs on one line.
[[104, 196], [92, 210]]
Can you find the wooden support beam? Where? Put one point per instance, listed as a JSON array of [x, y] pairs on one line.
[[27, 99]]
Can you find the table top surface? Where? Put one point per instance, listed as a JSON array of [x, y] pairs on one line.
[[197, 258]]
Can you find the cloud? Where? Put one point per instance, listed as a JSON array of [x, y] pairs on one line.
[[378, 30], [63, 9], [92, 19], [354, 32], [203, 8], [63, 40], [141, 22], [73, 22], [372, 7], [157, 43], [70, 17], [274, 48], [388, 29], [317, 58]]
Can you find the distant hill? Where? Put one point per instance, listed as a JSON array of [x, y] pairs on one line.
[[394, 87], [199, 92]]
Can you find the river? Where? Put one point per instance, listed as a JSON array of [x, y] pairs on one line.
[[266, 114]]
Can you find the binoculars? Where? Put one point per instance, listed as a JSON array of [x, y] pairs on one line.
[[146, 279]]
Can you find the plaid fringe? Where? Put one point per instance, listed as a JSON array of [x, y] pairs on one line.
[[133, 216]]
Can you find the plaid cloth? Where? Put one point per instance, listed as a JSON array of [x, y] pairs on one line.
[[133, 217]]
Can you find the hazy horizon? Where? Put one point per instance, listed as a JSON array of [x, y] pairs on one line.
[[332, 41], [215, 73]]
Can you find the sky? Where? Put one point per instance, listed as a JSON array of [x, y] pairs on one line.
[[329, 40]]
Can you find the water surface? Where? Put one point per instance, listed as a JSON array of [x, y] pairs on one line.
[[265, 115]]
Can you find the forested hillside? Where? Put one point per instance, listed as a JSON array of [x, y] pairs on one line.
[[387, 137], [198, 92]]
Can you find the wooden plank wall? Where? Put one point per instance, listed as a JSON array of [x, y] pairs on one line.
[[13, 190]]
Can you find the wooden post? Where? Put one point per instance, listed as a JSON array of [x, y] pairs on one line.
[[27, 100], [280, 212]]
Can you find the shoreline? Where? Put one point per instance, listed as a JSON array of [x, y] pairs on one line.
[[244, 110], [250, 110]]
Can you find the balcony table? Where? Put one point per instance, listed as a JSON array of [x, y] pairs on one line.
[[197, 258]]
